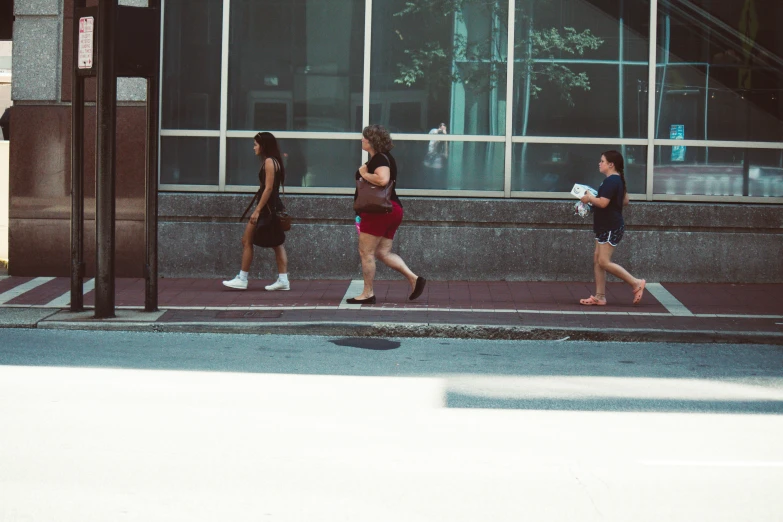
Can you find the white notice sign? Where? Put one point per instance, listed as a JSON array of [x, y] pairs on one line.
[[86, 30]]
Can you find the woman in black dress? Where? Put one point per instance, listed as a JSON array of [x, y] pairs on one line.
[[270, 177]]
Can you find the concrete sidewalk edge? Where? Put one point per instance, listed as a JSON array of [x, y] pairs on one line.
[[459, 331]]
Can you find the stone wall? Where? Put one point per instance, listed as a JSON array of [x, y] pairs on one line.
[[482, 239]]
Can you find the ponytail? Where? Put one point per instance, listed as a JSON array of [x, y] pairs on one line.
[[622, 177], [614, 157]]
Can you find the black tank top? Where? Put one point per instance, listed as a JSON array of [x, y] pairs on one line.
[[274, 199]]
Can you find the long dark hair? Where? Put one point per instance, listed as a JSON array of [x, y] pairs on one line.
[[612, 156], [270, 149]]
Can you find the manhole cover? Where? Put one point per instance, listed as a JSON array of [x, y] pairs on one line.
[[245, 314], [367, 343]]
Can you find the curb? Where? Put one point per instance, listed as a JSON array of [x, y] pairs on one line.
[[456, 331]]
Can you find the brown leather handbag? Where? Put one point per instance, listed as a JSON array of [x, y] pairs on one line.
[[373, 199]]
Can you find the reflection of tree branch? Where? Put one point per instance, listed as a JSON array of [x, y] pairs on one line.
[[478, 68]]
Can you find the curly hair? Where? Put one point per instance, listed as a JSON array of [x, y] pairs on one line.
[[379, 138]]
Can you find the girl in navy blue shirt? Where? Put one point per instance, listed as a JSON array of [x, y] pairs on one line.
[[609, 227]]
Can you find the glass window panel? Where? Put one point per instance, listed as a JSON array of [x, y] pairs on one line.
[[718, 171], [720, 69], [544, 167], [192, 39], [189, 161], [571, 72], [308, 162], [440, 62], [295, 64], [450, 165]]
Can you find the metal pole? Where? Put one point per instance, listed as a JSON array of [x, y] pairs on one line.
[[77, 172], [151, 194], [104, 167]]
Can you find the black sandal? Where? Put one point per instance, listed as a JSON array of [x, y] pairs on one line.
[[418, 289], [353, 300]]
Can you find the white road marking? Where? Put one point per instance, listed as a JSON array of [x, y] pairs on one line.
[[354, 289], [23, 288], [65, 299], [671, 303], [424, 309]]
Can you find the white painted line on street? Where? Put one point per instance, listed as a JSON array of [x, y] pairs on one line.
[[713, 464], [23, 288], [346, 306], [421, 309], [671, 303], [355, 288], [748, 316], [740, 316], [65, 299]]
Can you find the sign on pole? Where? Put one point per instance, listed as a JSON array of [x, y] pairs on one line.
[[86, 31]]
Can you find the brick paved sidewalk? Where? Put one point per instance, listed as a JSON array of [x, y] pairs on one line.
[[708, 308]]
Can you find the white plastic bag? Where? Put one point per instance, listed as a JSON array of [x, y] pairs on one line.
[[582, 209]]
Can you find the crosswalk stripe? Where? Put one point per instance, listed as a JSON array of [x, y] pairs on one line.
[[23, 288], [671, 303], [65, 299], [354, 289]]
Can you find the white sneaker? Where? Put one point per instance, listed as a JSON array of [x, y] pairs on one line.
[[236, 283], [278, 285]]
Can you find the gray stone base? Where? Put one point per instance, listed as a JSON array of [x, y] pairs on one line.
[[475, 239]]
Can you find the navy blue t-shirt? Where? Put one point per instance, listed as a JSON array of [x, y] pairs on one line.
[[611, 217]]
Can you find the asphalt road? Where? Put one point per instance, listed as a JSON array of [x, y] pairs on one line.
[[129, 426]]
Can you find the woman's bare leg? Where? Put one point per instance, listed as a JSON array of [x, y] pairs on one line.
[[393, 261], [600, 275], [367, 246], [247, 247], [282, 259], [605, 252]]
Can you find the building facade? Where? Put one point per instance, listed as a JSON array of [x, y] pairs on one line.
[[496, 107]]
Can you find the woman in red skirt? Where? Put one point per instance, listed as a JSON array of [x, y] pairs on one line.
[[376, 231]]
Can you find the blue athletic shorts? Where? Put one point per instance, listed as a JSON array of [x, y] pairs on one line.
[[613, 237]]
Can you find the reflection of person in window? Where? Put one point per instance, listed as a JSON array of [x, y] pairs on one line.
[[438, 151]]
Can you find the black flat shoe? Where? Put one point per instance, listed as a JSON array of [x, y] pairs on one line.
[[353, 300], [418, 289]]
